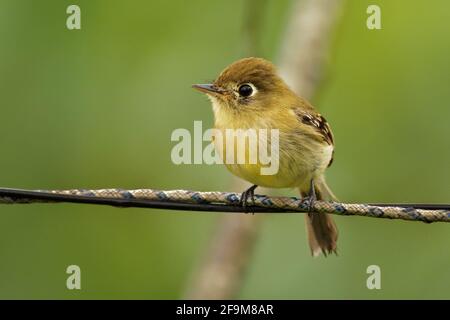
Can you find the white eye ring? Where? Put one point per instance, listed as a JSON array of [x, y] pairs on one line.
[[242, 92]]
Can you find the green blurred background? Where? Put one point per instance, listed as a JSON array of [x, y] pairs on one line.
[[95, 108]]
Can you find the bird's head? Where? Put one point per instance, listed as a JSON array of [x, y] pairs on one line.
[[250, 84]]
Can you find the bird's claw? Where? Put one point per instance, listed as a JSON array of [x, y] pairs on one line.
[[310, 200], [249, 193]]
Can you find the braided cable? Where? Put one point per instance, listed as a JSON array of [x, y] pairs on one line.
[[223, 202]]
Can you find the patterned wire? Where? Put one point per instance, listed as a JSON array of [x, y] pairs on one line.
[[224, 202]]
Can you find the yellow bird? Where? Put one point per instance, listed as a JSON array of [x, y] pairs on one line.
[[249, 94]]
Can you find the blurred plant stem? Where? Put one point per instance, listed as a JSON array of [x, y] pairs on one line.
[[221, 273], [305, 48]]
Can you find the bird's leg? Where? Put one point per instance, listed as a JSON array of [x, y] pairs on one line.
[[249, 193], [311, 197]]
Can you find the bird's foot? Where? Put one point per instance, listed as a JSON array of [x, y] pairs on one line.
[[311, 198], [246, 195]]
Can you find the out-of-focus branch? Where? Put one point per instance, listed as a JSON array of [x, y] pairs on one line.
[[305, 48], [223, 268]]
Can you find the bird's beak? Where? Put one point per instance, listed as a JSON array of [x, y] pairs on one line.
[[207, 88]]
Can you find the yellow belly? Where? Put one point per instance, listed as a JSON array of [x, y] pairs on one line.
[[252, 174], [300, 157], [296, 167]]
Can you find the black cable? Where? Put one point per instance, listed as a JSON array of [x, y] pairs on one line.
[[20, 196]]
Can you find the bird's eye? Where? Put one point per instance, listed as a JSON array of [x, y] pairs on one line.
[[245, 90]]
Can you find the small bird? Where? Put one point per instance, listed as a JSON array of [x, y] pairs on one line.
[[249, 94]]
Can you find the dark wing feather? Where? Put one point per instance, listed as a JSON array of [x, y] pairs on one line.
[[316, 120]]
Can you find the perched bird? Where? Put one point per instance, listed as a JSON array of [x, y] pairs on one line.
[[249, 94]]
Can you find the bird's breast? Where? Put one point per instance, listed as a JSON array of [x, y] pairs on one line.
[[296, 156]]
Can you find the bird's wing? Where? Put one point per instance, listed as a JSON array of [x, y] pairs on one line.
[[317, 121]]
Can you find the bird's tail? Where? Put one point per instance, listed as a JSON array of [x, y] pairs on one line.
[[322, 231]]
